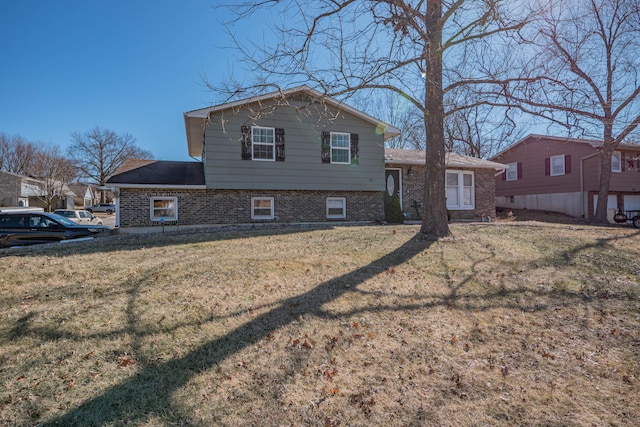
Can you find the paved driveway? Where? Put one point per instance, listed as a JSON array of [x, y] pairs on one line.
[[107, 220]]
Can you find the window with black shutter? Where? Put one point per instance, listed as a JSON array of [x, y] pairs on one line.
[[262, 143], [339, 148]]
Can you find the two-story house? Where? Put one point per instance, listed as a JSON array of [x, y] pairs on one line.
[[292, 156], [562, 175], [20, 190], [289, 156]]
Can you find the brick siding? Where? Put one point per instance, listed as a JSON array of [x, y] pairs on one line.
[[485, 187], [201, 207]]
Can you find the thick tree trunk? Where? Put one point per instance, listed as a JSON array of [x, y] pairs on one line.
[[605, 175], [603, 186], [434, 220]]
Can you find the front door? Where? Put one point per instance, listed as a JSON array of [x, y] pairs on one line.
[[393, 186]]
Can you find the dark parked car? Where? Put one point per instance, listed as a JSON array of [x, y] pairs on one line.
[[102, 207], [41, 227]]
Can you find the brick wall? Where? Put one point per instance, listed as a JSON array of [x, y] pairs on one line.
[[196, 207], [485, 187]]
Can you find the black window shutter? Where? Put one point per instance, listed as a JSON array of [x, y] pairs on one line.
[[325, 147], [504, 175], [279, 145], [519, 170], [355, 160], [547, 166], [622, 161], [567, 163], [246, 142]]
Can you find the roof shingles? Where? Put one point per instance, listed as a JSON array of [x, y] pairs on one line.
[[159, 172]]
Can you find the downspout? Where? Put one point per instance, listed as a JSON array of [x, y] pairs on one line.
[[116, 194], [584, 213]]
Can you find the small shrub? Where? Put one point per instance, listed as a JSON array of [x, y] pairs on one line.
[[393, 214]]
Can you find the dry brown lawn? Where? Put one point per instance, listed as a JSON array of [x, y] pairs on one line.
[[511, 323]]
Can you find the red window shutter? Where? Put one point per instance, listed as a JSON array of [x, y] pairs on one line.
[[547, 166], [519, 170], [567, 163]]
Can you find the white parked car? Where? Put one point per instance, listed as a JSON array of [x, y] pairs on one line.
[[79, 217]]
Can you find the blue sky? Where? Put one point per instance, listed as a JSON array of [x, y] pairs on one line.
[[131, 66]]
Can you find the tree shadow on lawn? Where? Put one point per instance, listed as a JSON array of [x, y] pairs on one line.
[[149, 392], [131, 242]]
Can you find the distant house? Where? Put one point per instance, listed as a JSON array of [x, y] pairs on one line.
[[290, 156], [562, 175], [86, 195], [470, 183], [19, 190]]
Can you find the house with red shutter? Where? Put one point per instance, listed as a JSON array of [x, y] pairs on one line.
[[563, 175]]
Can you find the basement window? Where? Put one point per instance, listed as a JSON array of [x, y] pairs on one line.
[[262, 208], [164, 209], [336, 207]]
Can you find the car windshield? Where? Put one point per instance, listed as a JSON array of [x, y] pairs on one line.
[[62, 220]]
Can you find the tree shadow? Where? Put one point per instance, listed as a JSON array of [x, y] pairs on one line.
[[149, 392], [115, 241]]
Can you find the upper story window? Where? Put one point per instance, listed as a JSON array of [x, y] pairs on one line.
[[340, 148], [616, 161], [557, 165], [460, 190], [512, 172], [263, 143]]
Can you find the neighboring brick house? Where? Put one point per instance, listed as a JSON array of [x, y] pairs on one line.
[[470, 183], [290, 156], [562, 175]]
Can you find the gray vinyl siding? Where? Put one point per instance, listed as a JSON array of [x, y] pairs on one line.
[[302, 168]]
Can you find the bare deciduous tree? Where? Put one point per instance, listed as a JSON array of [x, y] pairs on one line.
[[480, 131], [54, 172], [17, 155], [584, 74], [99, 152], [419, 50]]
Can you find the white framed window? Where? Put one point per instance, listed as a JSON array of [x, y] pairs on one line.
[[512, 171], [460, 189], [262, 208], [336, 207], [164, 208], [616, 161], [340, 148], [263, 143], [557, 165]]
